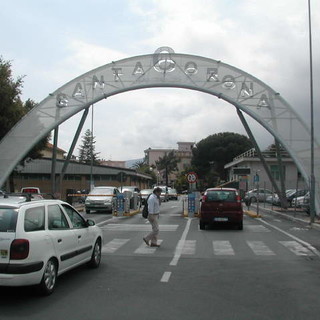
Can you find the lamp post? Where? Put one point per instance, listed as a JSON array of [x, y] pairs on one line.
[[312, 177], [91, 162]]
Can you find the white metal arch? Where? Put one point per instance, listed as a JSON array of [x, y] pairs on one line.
[[164, 68]]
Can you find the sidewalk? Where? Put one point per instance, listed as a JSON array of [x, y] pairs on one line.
[[293, 214]]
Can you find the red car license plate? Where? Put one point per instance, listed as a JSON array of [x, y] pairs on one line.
[[220, 219]]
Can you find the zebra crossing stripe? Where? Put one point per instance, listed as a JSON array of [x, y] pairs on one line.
[[186, 246], [260, 249], [222, 248], [144, 249], [138, 227], [297, 248], [114, 245]]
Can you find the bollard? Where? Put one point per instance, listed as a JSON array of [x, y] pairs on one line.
[[119, 205], [191, 204]]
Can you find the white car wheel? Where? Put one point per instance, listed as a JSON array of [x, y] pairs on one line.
[[49, 278]]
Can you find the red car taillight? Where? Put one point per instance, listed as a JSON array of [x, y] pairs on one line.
[[204, 198], [238, 199], [19, 249]]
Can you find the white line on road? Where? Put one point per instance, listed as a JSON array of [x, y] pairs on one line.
[[144, 249], [222, 248], [114, 245], [297, 248], [138, 227], [166, 276], [260, 249], [179, 247], [304, 243]]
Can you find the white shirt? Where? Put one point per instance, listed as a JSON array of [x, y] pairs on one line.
[[153, 204]]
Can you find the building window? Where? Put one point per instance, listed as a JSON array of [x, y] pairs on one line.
[[275, 171]]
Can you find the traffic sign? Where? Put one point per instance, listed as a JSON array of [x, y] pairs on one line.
[[192, 177]]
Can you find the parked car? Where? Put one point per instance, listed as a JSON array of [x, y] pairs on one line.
[[101, 199], [221, 205], [132, 190], [290, 194], [33, 191], [306, 203], [295, 194], [42, 239], [164, 196], [144, 194], [255, 195], [172, 194], [298, 201]]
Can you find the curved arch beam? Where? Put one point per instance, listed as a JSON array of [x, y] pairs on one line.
[[164, 68]]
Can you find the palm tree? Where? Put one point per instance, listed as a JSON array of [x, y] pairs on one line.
[[168, 163]]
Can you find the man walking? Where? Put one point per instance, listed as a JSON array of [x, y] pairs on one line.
[[153, 216]]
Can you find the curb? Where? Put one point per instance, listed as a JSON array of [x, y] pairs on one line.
[[251, 214], [288, 217]]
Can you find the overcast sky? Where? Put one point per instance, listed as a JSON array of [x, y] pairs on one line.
[[52, 42]]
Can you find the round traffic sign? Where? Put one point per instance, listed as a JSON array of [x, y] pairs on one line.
[[192, 177]]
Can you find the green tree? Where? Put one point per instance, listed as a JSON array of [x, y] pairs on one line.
[[212, 153], [143, 167], [12, 109], [35, 153], [11, 106], [168, 163], [87, 149]]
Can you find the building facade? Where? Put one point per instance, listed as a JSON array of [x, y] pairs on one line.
[[248, 170], [183, 153], [37, 173]]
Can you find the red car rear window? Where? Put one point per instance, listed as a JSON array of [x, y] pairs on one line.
[[221, 195]]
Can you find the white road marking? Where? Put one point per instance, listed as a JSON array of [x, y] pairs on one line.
[[257, 228], [179, 248], [222, 248], [138, 227], [304, 243], [144, 249], [297, 248], [166, 276], [114, 245], [187, 246], [260, 249]]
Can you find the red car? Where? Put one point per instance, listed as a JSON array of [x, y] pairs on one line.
[[221, 205]]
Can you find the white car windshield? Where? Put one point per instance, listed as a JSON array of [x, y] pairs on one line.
[[102, 191]]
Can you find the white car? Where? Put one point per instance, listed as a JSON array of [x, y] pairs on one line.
[[40, 240], [101, 199]]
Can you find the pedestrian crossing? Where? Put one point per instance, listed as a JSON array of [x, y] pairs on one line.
[[138, 227], [219, 248]]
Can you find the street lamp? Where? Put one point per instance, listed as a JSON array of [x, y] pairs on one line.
[[312, 177]]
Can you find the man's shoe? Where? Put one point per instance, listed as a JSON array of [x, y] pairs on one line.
[[145, 240], [155, 245]]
